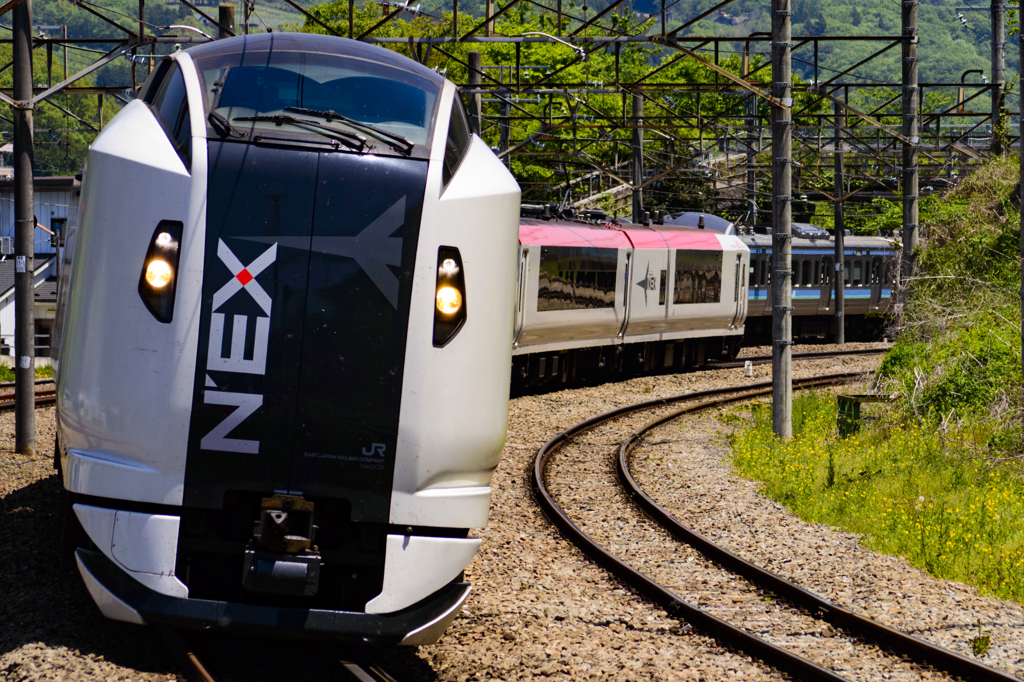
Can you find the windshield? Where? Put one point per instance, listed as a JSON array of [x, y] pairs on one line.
[[256, 88]]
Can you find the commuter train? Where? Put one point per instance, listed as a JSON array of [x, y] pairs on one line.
[[602, 299], [284, 358]]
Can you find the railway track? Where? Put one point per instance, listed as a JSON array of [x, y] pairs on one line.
[[43, 397], [811, 355], [321, 664], [862, 631]]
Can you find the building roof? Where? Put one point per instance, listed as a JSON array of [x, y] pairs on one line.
[[46, 292], [7, 270]]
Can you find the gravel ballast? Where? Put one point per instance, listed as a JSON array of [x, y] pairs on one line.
[[539, 608]]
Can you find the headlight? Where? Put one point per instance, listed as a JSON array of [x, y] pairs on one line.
[[449, 300], [450, 295], [158, 273], [159, 280]]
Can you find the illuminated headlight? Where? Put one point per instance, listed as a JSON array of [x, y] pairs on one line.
[[158, 273], [450, 295], [449, 300], [159, 279]]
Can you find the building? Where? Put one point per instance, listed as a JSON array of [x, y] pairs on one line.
[[52, 208]]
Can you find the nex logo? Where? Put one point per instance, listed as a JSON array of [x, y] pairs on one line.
[[244, 277]]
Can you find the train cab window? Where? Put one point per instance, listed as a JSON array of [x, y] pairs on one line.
[[392, 103], [458, 141], [169, 103]]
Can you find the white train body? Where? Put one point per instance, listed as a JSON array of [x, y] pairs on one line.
[[612, 299], [288, 432]]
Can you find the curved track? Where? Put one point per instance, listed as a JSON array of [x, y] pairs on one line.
[[852, 624], [324, 665]]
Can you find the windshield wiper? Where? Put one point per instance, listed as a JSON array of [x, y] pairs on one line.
[[222, 124], [350, 140], [373, 130]]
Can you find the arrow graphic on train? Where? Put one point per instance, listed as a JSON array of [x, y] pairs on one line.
[[373, 249]]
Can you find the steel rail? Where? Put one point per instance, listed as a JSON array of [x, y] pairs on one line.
[[44, 397], [896, 641], [810, 355], [741, 640]]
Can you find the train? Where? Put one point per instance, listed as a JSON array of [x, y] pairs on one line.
[[282, 384], [294, 298], [600, 298]]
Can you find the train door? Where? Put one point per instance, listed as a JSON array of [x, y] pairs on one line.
[[874, 278], [648, 298], [825, 283], [520, 313], [739, 291]]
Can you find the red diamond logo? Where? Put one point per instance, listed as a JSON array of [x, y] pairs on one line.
[[244, 277]]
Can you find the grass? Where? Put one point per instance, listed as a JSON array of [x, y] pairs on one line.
[[930, 495], [7, 373]]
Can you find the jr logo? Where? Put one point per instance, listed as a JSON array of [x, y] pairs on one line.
[[245, 403], [377, 449]]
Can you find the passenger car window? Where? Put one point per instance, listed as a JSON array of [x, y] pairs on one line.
[[457, 143], [170, 104]]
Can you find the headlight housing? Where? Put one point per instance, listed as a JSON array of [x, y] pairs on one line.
[[449, 295], [159, 279]]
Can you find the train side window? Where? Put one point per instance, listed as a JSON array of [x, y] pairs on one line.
[[846, 272], [459, 137], [664, 287], [768, 272], [170, 104], [806, 279], [152, 83], [858, 273], [753, 274]]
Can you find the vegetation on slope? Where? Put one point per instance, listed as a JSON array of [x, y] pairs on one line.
[[939, 478]]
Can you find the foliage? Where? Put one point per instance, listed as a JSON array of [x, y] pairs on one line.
[[911, 489]]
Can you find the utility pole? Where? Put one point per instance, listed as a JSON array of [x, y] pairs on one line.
[[638, 157], [475, 105], [1021, 185], [226, 18], [909, 16], [782, 221], [838, 301], [998, 62], [24, 237]]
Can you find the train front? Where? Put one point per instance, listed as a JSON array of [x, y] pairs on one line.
[[285, 367]]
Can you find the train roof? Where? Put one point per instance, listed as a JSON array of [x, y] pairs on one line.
[[311, 43], [617, 235], [825, 244], [711, 222]]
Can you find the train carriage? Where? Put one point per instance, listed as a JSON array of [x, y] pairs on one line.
[[284, 368]]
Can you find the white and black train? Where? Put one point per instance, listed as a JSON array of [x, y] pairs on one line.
[[283, 381]]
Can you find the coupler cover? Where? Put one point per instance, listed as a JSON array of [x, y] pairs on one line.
[[281, 573]]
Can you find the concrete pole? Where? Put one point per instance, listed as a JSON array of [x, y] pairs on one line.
[[910, 179], [1021, 185], [226, 18], [838, 301], [782, 221], [638, 157], [475, 104], [24, 238], [998, 60]]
